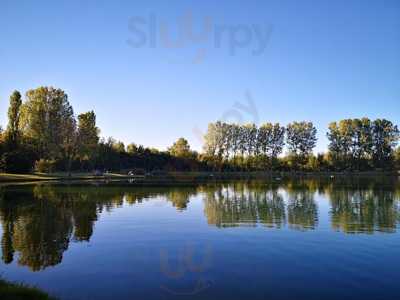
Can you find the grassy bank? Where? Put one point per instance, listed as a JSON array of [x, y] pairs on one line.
[[16, 291], [7, 177]]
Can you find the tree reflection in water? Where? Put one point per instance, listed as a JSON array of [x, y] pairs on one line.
[[40, 221], [302, 208], [247, 204], [364, 206]]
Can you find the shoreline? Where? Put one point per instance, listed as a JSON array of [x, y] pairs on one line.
[[183, 177]]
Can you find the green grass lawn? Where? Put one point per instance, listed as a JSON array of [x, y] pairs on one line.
[[17, 291], [4, 177], [7, 177]]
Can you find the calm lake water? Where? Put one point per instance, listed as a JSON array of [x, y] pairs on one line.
[[302, 239]]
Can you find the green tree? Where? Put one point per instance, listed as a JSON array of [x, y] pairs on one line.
[[110, 154], [317, 163], [47, 121], [355, 143], [211, 140], [397, 158], [361, 146], [14, 112], [250, 131], [346, 148], [132, 149], [235, 141], [180, 148], [118, 147], [242, 140], [366, 138], [228, 140], [88, 137], [214, 144], [2, 146], [336, 151], [47, 118], [346, 131], [15, 155], [385, 138], [271, 140], [301, 139]]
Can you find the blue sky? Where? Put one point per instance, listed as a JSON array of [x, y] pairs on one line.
[[323, 61]]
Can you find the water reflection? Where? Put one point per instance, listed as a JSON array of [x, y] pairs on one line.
[[302, 209], [230, 205], [364, 211], [248, 204], [40, 221]]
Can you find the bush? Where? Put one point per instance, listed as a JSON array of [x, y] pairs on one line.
[[18, 161], [397, 158], [45, 165]]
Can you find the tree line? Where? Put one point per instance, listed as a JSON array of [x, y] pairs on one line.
[[354, 144], [43, 134]]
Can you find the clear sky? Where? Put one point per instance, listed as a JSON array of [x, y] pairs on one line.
[[319, 60]]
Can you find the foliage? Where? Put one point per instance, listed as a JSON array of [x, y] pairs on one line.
[[132, 149], [47, 119], [385, 136], [12, 134], [45, 165], [17, 161], [359, 144], [2, 141], [87, 139], [301, 139], [397, 158], [180, 148], [271, 139], [243, 146], [43, 128]]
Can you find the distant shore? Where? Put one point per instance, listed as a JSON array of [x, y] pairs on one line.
[[183, 177]]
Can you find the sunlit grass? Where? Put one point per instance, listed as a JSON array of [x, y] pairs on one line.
[[8, 177], [23, 177]]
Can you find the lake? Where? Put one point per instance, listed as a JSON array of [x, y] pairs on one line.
[[278, 239]]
